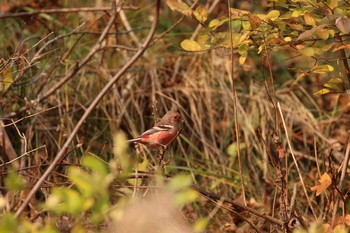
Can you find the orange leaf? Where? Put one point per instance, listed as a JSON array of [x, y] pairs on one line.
[[325, 181]]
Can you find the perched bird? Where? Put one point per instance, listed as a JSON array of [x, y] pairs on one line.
[[162, 133]]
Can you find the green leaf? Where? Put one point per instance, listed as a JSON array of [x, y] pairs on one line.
[[273, 15], [190, 45], [180, 182], [200, 225], [14, 182], [232, 149], [201, 14], [176, 5], [215, 23], [96, 165], [186, 196], [83, 181], [120, 150], [307, 51]]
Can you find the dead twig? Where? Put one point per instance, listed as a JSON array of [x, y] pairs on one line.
[[62, 10], [98, 98]]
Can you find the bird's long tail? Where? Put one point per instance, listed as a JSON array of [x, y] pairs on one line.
[[134, 140]]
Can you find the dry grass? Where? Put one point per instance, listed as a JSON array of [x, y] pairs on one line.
[[198, 85]]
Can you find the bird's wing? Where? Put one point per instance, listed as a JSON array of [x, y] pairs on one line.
[[157, 129]]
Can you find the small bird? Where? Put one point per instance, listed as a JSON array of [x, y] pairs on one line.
[[162, 133]]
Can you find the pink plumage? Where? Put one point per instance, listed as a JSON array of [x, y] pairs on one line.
[[162, 133]]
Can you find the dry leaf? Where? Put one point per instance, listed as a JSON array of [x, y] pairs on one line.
[[325, 181]]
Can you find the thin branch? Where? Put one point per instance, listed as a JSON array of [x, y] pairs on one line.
[[233, 89], [341, 181], [98, 98], [236, 204], [62, 10], [295, 160]]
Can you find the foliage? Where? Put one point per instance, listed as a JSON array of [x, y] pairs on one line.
[[311, 29], [222, 67]]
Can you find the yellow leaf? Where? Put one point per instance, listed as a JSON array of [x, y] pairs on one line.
[[242, 59], [273, 15], [215, 23], [322, 69], [325, 181], [191, 45], [179, 6], [6, 79], [201, 14], [322, 91], [309, 20], [323, 34]]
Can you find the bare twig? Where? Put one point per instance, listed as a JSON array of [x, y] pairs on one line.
[[341, 181], [233, 89], [236, 204], [24, 154], [295, 160], [98, 98], [61, 10]]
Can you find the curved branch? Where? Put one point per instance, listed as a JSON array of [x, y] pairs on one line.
[[60, 155]]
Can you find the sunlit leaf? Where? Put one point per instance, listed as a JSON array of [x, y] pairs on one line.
[[321, 69], [295, 26], [242, 59], [322, 91], [96, 165], [215, 23], [332, 86], [180, 182], [191, 45], [200, 225], [325, 48], [179, 6], [325, 181], [299, 77], [345, 46], [232, 149], [323, 34], [186, 196], [201, 14], [120, 150], [309, 20], [6, 79], [332, 4], [273, 15]]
